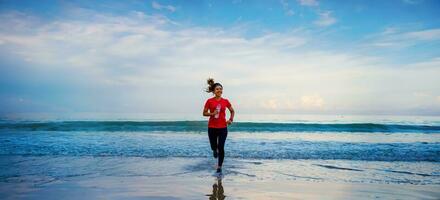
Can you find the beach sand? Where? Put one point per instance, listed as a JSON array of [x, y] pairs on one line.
[[113, 177]]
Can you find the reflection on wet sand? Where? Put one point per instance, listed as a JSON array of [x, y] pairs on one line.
[[217, 190]]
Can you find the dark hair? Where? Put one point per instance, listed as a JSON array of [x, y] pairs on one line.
[[212, 85]]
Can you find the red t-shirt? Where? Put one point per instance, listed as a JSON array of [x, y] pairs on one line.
[[211, 104]]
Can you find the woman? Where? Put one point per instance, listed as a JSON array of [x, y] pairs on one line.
[[217, 124]]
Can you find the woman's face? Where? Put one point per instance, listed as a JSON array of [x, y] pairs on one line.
[[218, 90]]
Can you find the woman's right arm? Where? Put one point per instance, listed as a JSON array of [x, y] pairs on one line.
[[206, 113]]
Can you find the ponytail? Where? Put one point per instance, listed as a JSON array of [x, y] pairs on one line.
[[211, 85]]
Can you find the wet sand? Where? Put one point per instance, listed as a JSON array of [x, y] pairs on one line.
[[51, 177]]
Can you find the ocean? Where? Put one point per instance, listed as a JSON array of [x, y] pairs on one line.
[[378, 149]]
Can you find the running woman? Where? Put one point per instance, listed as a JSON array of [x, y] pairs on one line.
[[217, 124]]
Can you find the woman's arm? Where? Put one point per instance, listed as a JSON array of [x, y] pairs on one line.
[[231, 110], [206, 113]]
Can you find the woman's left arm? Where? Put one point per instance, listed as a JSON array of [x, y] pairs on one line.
[[231, 118]]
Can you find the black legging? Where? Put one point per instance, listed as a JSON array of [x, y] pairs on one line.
[[221, 134]]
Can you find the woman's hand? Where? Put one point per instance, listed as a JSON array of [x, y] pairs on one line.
[[228, 122], [206, 113]]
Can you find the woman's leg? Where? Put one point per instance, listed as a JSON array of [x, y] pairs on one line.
[[212, 134], [223, 133]]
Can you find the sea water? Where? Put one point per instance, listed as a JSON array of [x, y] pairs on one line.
[[370, 148]]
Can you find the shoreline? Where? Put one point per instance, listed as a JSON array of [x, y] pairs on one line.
[[119, 177]]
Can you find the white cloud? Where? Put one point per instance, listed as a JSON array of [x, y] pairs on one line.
[[389, 30], [314, 101], [325, 19], [394, 37], [432, 63], [158, 6], [429, 34], [145, 64], [284, 103], [425, 99], [308, 2], [272, 104]]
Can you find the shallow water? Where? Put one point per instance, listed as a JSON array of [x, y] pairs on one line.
[[261, 145], [40, 170], [122, 177]]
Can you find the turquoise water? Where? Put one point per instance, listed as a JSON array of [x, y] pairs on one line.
[[380, 149], [201, 126], [330, 138]]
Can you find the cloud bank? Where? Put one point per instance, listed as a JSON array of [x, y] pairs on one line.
[[141, 62]]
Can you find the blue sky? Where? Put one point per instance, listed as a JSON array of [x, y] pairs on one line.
[[297, 56]]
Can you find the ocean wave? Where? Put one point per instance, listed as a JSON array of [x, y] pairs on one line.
[[201, 126], [193, 145]]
